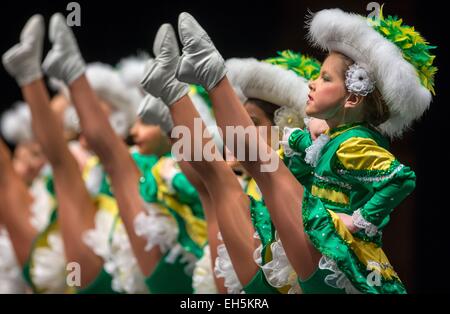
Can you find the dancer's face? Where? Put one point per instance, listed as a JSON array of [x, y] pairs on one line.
[[28, 161], [260, 119], [328, 93], [148, 138]]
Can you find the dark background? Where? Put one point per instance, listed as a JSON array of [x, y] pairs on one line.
[[416, 241]]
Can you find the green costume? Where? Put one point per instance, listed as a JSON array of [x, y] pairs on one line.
[[177, 206], [352, 173], [45, 270]]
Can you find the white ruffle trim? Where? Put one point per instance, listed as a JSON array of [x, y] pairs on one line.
[[11, 281], [49, 265], [359, 221], [224, 269], [157, 229], [122, 265], [42, 206], [93, 180], [278, 272], [337, 279], [117, 254], [287, 132], [203, 278], [98, 238], [314, 151], [168, 171], [162, 230], [186, 257]]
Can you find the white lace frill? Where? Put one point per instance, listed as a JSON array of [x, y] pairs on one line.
[[156, 228], [314, 151], [49, 265], [224, 269], [359, 221], [337, 279], [162, 230], [203, 278], [278, 272], [122, 265], [42, 206], [117, 253], [11, 281], [288, 151]]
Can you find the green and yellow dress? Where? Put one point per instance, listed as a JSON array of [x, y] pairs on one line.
[[46, 268], [349, 170], [174, 221]]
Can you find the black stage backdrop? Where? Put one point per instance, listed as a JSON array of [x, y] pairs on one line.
[[416, 240]]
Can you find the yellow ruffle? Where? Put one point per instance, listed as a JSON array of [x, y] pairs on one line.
[[367, 253]]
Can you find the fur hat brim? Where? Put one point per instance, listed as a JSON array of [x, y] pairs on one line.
[[396, 78]]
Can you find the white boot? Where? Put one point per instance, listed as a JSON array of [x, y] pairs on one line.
[[64, 60], [200, 63], [23, 61], [159, 78], [153, 111]]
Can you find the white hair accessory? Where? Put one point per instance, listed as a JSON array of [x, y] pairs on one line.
[[358, 80]]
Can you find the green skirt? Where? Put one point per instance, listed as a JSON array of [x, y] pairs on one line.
[[169, 278]]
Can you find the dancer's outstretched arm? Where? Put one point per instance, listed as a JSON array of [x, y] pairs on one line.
[[65, 62], [201, 63], [15, 203], [75, 207]]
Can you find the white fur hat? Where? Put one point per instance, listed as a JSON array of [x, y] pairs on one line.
[[256, 79], [131, 69], [404, 89], [16, 124], [110, 87]]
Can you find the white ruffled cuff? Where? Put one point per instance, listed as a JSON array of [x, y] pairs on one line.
[[287, 131], [359, 221], [203, 278], [313, 152], [224, 269], [278, 272]]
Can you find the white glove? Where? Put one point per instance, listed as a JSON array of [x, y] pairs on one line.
[[154, 112], [64, 60], [23, 61], [200, 62], [159, 77]]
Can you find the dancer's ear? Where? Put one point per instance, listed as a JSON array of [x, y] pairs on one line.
[[353, 101]]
